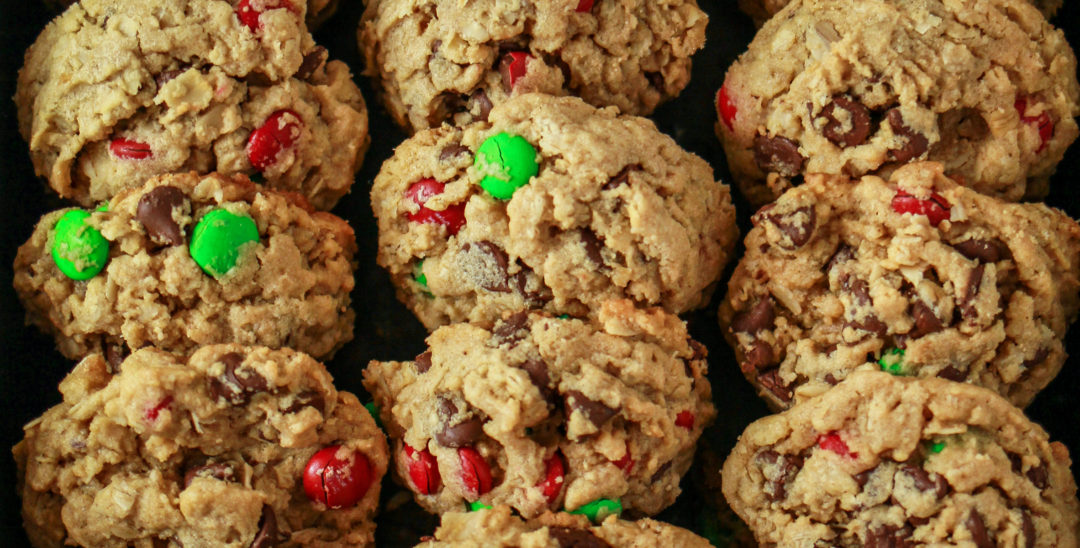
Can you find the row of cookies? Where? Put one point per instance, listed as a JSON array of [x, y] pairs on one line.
[[185, 261], [869, 276]]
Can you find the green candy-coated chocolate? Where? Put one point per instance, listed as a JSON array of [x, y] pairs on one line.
[[507, 162], [893, 361], [937, 446], [477, 505], [599, 509], [78, 249], [217, 239], [418, 273], [374, 411]]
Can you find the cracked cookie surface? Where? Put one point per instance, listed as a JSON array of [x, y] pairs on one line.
[[290, 288], [497, 527], [889, 461], [614, 209], [542, 413], [988, 88], [916, 276], [205, 451], [452, 61], [761, 10], [114, 92]]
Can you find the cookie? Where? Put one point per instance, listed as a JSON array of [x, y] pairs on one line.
[[545, 413], [318, 11], [761, 10], [203, 85], [235, 446], [497, 527], [452, 61], [888, 461], [988, 88], [189, 260], [917, 276], [550, 204]]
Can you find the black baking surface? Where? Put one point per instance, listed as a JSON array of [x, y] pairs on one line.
[[385, 329]]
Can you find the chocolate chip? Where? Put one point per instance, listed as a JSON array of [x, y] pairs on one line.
[[843, 254], [778, 155], [850, 129], [967, 309], [862, 477], [917, 521], [916, 143], [234, 388], [115, 354], [462, 434], [512, 329], [258, 79], [797, 225], [987, 251], [787, 466], [829, 378], [567, 537], [953, 373], [423, 362], [660, 472], [621, 178], [1016, 461], [1038, 476], [268, 531], [859, 289], [975, 525], [700, 352], [480, 99], [592, 245], [1028, 527], [450, 152], [758, 318], [217, 470], [492, 273], [760, 355], [1039, 357], [307, 398], [312, 61], [164, 77], [926, 321], [534, 298], [888, 536], [155, 212], [538, 374], [596, 412], [770, 380], [925, 481]]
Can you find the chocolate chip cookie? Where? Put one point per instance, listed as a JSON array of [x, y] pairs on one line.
[[452, 61], [498, 527], [988, 88], [887, 461], [916, 276], [189, 260], [545, 413], [234, 446], [550, 204], [114, 92]]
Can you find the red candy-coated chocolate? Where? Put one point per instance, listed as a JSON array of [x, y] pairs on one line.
[[726, 107], [249, 14], [453, 217], [475, 472], [584, 6], [126, 149], [936, 208], [626, 464], [337, 482], [833, 442], [512, 67], [555, 470], [1042, 122], [152, 413], [685, 419], [280, 131], [423, 470]]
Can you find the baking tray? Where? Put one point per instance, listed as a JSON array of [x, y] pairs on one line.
[[385, 330]]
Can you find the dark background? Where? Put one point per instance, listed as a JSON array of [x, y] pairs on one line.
[[30, 367]]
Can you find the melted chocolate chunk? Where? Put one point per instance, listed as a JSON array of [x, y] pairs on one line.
[[759, 317], [217, 470], [236, 388], [576, 538], [155, 212], [797, 225], [979, 534], [953, 373], [312, 61], [1038, 476], [495, 277], [915, 143], [925, 481], [307, 398], [450, 152], [1028, 528], [621, 178], [512, 329], [787, 467], [462, 434], [862, 477], [115, 354], [538, 374], [843, 254], [986, 251], [423, 362], [596, 412], [967, 308], [660, 472], [850, 129], [480, 99], [888, 536], [770, 380], [593, 245], [1039, 357], [268, 531], [777, 155], [166, 76], [760, 355], [926, 321]]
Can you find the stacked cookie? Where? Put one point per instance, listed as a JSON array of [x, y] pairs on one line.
[[197, 300], [891, 298]]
